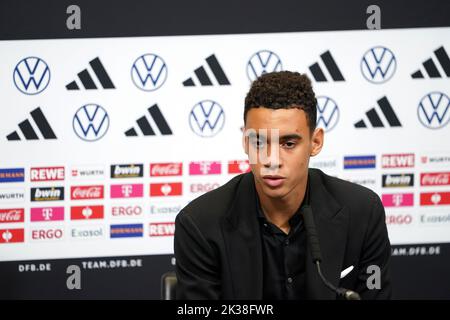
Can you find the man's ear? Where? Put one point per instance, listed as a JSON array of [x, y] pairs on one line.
[[317, 141]]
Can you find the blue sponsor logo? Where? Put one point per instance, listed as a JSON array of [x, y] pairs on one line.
[[378, 64], [149, 72], [262, 62], [359, 162], [31, 75], [12, 175], [127, 230], [434, 110]]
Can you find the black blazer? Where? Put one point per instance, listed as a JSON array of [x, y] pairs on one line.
[[218, 246]]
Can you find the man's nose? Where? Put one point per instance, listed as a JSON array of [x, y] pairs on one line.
[[271, 157]]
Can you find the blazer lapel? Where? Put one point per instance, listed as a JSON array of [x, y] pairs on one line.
[[331, 222], [243, 242]]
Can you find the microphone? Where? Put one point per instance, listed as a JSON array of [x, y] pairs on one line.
[[313, 241]]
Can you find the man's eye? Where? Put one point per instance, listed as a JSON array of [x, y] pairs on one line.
[[289, 144], [258, 143]]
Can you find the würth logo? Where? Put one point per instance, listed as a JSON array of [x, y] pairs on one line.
[[146, 128], [47, 194], [86, 192], [127, 171], [431, 67], [374, 118], [87, 78], [27, 130], [329, 65], [404, 160], [201, 74], [166, 169], [47, 174]]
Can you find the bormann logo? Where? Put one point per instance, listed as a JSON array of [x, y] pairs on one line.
[[398, 180], [127, 171], [166, 169], [91, 122], [127, 230], [378, 64], [327, 113], [205, 167], [161, 229], [86, 192], [12, 215], [236, 166], [47, 174], [12, 175], [403, 160], [359, 162], [398, 219], [47, 194], [435, 179], [47, 214], [149, 72], [206, 118], [262, 62], [11, 235], [398, 199], [434, 198], [86, 212], [433, 110], [31, 70], [130, 211]]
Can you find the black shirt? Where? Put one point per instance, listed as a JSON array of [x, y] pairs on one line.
[[284, 257]]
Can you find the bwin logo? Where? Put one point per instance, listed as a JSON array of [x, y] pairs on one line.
[[262, 62], [378, 64], [31, 75], [327, 113], [149, 72], [91, 122], [207, 118], [434, 110]]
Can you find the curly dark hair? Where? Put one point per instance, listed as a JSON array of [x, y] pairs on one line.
[[283, 90]]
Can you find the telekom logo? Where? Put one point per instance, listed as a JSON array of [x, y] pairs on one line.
[[47, 214], [398, 200], [127, 190]]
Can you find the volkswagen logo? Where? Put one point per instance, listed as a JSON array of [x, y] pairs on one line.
[[262, 62], [149, 72], [434, 110], [378, 64], [91, 122], [31, 75], [206, 118], [327, 113]]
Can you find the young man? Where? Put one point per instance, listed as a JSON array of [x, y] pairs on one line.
[[248, 239]]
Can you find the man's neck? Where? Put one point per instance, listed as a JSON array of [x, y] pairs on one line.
[[279, 210]]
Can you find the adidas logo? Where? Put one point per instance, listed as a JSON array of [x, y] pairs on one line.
[[202, 76], [330, 65], [145, 126], [431, 68], [87, 80], [29, 131], [374, 118]]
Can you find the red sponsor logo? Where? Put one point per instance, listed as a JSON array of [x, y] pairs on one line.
[[166, 189], [11, 215], [238, 167], [126, 211], [435, 179], [434, 198], [161, 229], [86, 192], [11, 235], [47, 174], [47, 234], [166, 169], [86, 212], [399, 219], [404, 160]]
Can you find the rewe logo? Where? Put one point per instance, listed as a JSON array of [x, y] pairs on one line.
[[47, 174], [31, 75], [404, 160], [162, 229]]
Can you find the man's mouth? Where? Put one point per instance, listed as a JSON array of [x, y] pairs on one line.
[[273, 181]]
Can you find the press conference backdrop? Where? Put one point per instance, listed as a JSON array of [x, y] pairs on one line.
[[104, 140]]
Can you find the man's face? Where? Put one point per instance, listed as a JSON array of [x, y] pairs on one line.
[[279, 144]]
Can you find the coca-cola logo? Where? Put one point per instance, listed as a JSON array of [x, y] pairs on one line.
[[11, 215], [435, 179], [166, 169], [88, 192]]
